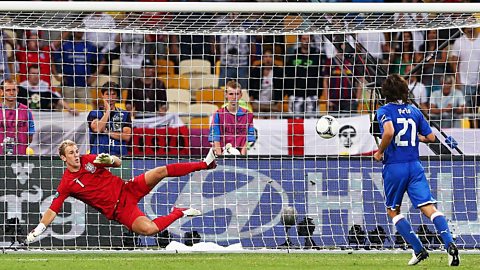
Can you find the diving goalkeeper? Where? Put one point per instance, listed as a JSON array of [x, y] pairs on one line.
[[87, 179]]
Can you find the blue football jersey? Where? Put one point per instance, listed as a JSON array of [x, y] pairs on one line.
[[407, 121], [101, 142]]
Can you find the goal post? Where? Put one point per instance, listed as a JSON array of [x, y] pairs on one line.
[[295, 62]]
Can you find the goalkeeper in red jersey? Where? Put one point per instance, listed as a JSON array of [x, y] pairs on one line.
[[87, 179]]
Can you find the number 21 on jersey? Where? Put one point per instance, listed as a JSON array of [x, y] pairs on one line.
[[401, 136]]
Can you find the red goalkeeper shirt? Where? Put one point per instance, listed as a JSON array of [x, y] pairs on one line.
[[92, 184]]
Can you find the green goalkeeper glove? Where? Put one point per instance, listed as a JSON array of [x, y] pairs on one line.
[[104, 158]]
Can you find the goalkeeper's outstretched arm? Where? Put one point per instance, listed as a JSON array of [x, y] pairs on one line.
[[46, 220], [109, 160]]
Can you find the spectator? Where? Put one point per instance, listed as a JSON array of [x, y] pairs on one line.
[[77, 60], [266, 85], [304, 77], [39, 95], [148, 94], [447, 106], [105, 41], [343, 96], [33, 54], [232, 124], [235, 52], [196, 47], [465, 62], [436, 67], [110, 127], [403, 54], [375, 44], [132, 54], [418, 91], [5, 68], [16, 126]]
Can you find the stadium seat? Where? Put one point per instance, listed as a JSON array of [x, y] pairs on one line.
[[179, 102], [217, 68], [81, 107], [201, 122], [178, 95], [165, 67], [102, 79], [465, 123], [121, 105], [276, 62], [210, 95], [194, 66], [199, 81], [175, 81], [245, 95]]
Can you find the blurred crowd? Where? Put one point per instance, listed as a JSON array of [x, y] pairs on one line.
[[281, 75]]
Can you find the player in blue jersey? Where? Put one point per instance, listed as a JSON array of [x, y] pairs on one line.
[[403, 126]]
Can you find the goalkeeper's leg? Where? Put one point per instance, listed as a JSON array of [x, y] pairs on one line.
[[136, 221], [154, 176]]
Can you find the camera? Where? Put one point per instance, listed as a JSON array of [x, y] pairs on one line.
[[8, 145]]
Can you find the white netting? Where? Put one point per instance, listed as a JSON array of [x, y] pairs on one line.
[[293, 67]]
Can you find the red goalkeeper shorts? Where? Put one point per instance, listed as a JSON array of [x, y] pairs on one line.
[[127, 206]]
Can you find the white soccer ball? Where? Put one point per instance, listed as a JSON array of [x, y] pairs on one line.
[[327, 127]]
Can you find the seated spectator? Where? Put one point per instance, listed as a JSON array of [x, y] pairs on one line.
[[304, 76], [403, 54], [33, 54], [436, 67], [38, 95], [266, 85], [343, 95], [132, 54], [447, 106], [148, 94]]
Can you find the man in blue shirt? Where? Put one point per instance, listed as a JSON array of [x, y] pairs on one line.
[[77, 60], [403, 126], [110, 128]]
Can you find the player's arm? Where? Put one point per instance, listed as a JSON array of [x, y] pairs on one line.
[[99, 125], [387, 137], [125, 135], [46, 220], [108, 160], [430, 138]]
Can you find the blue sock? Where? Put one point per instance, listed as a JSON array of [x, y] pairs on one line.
[[405, 229], [441, 225]]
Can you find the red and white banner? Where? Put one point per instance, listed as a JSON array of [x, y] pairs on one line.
[[274, 137], [298, 137]]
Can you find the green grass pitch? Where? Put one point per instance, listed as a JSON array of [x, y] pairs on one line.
[[229, 261]]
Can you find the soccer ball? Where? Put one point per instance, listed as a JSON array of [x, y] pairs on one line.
[[327, 127]]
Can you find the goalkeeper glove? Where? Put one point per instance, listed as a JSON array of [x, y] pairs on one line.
[[450, 141], [104, 158], [36, 232]]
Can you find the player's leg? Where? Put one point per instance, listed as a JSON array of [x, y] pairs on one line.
[[144, 226], [395, 184], [441, 225], [421, 197], [154, 176]]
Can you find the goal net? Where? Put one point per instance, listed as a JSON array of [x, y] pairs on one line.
[[295, 62]]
